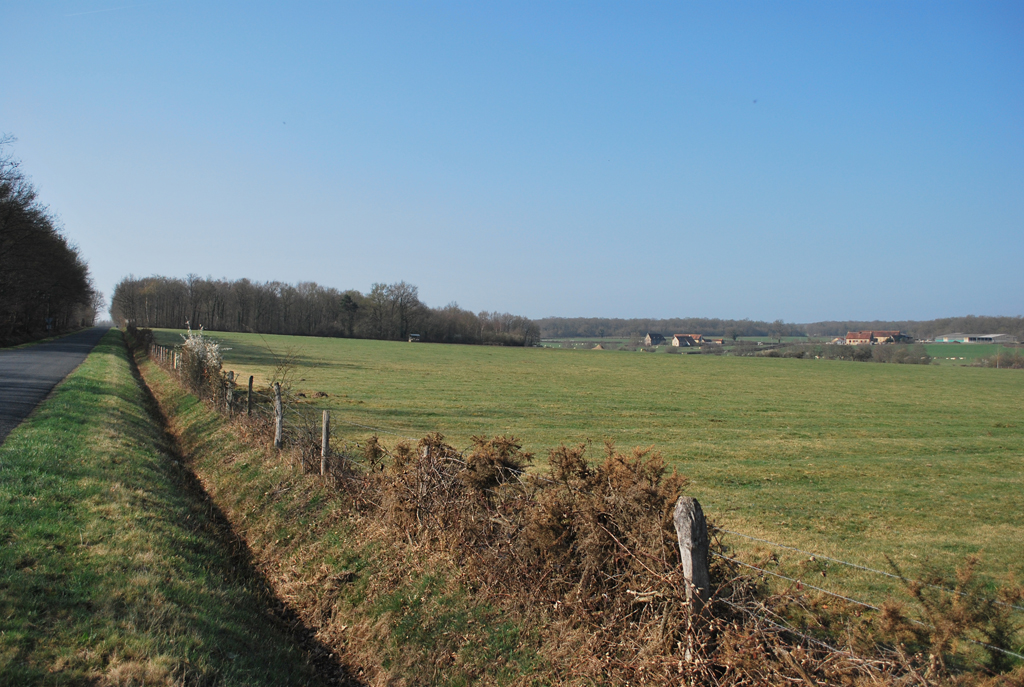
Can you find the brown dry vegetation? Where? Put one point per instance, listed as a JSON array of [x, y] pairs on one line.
[[429, 565]]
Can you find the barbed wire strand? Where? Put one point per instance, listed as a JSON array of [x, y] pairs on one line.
[[376, 429], [859, 603], [800, 582], [855, 565], [784, 628]]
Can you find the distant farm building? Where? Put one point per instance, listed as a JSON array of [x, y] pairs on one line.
[[414, 337], [653, 339], [875, 336], [976, 338], [687, 340]]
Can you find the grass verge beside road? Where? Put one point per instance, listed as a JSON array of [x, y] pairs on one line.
[[110, 569]]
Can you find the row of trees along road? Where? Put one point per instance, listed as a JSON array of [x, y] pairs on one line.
[[388, 311], [44, 283]]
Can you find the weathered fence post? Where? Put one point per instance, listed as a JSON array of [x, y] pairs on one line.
[[229, 395], [692, 531], [279, 416], [325, 442], [248, 399]]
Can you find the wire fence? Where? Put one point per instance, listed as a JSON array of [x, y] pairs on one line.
[[795, 580], [847, 599], [856, 566], [301, 420]]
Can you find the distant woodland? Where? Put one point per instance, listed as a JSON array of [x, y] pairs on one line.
[[394, 311], [44, 282], [388, 311], [596, 327]]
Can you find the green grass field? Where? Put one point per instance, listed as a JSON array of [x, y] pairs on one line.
[[854, 460], [110, 573], [961, 354]]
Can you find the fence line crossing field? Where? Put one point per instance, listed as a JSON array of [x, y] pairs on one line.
[[860, 461]]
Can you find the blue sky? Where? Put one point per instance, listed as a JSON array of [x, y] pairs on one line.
[[804, 161]]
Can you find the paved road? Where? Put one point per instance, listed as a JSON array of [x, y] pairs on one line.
[[28, 374]]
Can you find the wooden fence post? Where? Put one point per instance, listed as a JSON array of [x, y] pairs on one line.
[[279, 415], [692, 531], [325, 442], [248, 399]]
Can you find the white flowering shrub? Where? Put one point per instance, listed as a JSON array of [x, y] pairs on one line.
[[200, 362]]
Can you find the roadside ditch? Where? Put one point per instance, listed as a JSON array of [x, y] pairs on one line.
[[247, 568]]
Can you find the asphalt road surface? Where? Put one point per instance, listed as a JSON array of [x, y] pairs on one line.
[[27, 375]]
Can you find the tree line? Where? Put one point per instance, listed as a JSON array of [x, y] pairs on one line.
[[44, 282], [926, 329], [597, 327], [388, 311]]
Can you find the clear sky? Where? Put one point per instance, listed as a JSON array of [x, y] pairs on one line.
[[804, 161]]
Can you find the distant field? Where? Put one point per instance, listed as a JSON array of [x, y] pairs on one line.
[[785, 339], [961, 354], [854, 460], [610, 343]]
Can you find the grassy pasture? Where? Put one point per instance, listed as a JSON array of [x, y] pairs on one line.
[[859, 461], [942, 352], [585, 342]]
